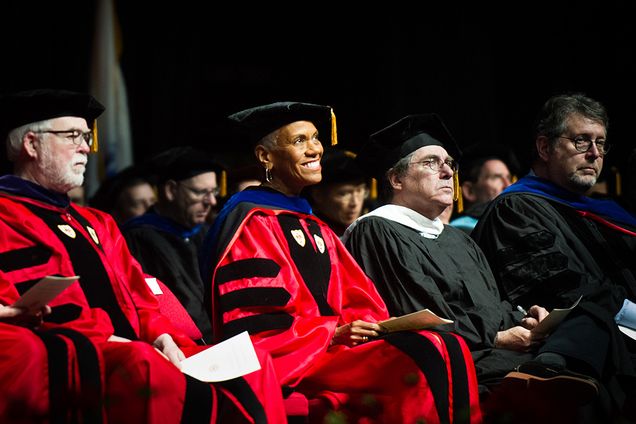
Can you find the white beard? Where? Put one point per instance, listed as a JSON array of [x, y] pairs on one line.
[[62, 177]]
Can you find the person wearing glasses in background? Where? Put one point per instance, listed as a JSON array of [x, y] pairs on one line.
[[166, 239], [339, 197], [549, 243]]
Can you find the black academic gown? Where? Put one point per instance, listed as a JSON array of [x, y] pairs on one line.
[[172, 257], [545, 252], [448, 275]]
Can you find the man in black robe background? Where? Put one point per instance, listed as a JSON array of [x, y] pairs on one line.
[[166, 239]]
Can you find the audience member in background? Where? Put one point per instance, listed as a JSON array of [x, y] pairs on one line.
[[116, 350], [246, 176], [166, 239], [339, 197], [548, 243], [484, 172], [284, 276], [127, 194]]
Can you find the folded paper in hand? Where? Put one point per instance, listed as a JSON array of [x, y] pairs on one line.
[[554, 318], [414, 321], [229, 359], [626, 318], [43, 292]]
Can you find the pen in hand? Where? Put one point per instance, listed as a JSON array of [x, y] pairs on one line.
[[523, 311]]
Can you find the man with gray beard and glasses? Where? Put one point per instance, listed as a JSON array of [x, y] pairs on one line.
[[102, 351]]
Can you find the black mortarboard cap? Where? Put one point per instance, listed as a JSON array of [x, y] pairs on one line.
[[22, 108], [180, 163], [405, 136], [257, 122], [339, 166]]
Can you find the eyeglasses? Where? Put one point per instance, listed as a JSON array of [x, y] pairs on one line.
[[201, 194], [583, 143], [76, 136], [435, 164]]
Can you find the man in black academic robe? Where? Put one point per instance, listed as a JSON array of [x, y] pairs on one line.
[[550, 244], [166, 239], [417, 262]]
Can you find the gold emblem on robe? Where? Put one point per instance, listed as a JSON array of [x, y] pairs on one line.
[[320, 243], [67, 229], [299, 236], [93, 234]]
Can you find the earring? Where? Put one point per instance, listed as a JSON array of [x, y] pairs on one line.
[[268, 175]]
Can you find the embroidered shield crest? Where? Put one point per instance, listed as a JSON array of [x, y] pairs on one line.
[[93, 234], [320, 243], [299, 236], [67, 229]]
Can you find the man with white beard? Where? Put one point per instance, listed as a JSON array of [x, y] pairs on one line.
[[103, 350]]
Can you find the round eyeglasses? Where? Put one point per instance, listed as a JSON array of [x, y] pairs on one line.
[[75, 136], [583, 144], [435, 164]]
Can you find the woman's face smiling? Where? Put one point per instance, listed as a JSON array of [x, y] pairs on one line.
[[295, 160]]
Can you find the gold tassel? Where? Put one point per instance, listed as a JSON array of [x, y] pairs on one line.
[[95, 145], [334, 130], [373, 189], [223, 184], [513, 179], [457, 193]]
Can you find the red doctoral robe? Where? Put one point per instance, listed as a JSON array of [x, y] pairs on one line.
[[285, 277], [67, 368]]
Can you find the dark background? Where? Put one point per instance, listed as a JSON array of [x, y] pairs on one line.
[[189, 64]]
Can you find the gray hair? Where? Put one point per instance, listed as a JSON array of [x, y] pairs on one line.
[[553, 117], [270, 140], [399, 169], [15, 136]]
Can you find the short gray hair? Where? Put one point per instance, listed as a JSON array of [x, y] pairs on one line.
[[400, 168], [270, 140], [552, 120], [15, 136]]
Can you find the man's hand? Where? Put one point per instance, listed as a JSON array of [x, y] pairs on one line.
[[22, 317], [518, 338], [535, 315], [169, 349], [355, 333]]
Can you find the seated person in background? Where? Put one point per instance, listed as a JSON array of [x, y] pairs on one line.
[[280, 273], [125, 195], [549, 243], [245, 176], [166, 239], [484, 172], [124, 355], [416, 262], [339, 197]]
